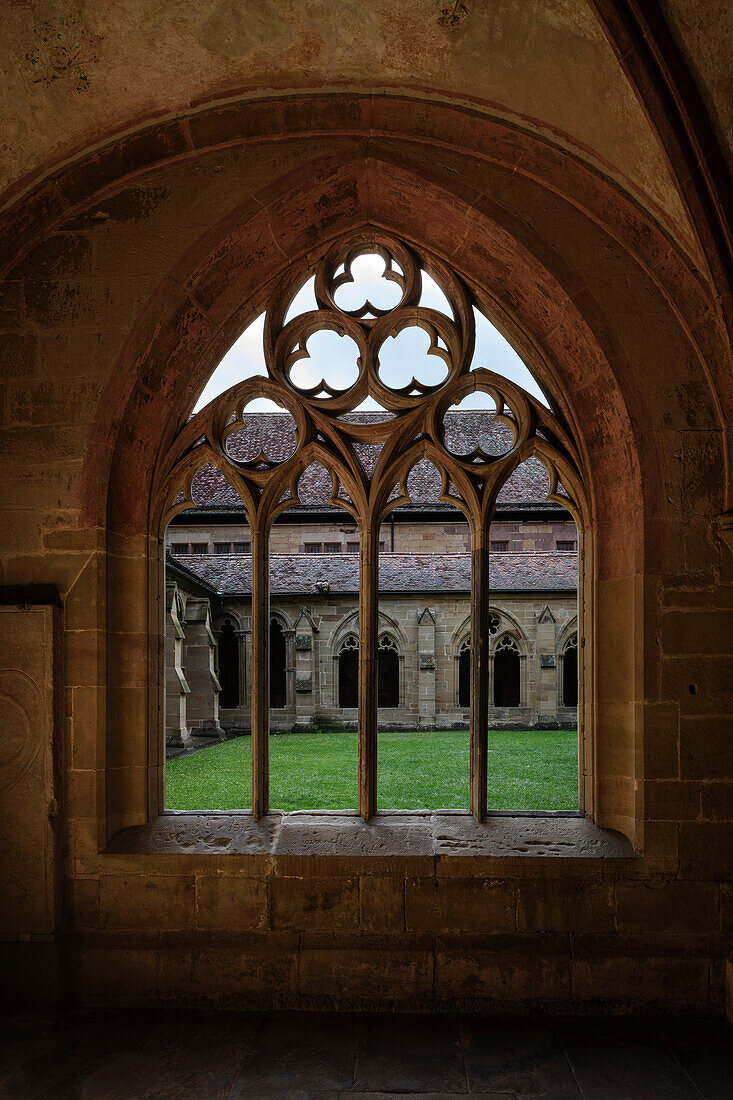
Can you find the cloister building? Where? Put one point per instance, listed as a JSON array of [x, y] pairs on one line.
[[424, 607]]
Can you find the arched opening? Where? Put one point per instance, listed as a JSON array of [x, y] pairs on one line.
[[349, 673], [429, 490], [228, 654], [389, 673], [464, 674], [278, 681], [570, 673], [506, 673]]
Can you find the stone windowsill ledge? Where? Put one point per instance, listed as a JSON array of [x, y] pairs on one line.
[[435, 834]]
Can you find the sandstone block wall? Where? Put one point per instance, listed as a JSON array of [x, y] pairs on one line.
[[422, 537], [540, 623], [139, 271]]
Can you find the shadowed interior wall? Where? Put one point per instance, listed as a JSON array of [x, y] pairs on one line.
[[111, 323]]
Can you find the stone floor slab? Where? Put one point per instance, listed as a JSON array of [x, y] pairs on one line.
[[410, 1054], [510, 1056], [625, 1060], [303, 1057]]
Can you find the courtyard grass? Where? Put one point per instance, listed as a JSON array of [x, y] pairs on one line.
[[528, 770]]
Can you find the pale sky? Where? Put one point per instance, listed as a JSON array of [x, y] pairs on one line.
[[333, 357]]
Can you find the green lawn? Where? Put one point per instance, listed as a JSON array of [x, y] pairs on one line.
[[533, 770]]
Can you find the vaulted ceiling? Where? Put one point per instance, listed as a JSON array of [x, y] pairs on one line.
[[74, 75]]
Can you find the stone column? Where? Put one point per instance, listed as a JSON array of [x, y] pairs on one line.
[[304, 673], [368, 666], [203, 701], [426, 667], [480, 661], [176, 685], [260, 670], [546, 684]]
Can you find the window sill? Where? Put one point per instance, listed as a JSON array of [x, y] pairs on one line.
[[439, 835]]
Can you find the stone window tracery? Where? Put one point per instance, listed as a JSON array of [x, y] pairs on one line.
[[369, 319]]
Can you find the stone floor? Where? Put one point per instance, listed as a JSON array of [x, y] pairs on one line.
[[166, 1053]]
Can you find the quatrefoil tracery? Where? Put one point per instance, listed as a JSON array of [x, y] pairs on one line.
[[413, 427]]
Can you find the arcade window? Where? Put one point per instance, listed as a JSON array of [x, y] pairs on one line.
[[408, 361]]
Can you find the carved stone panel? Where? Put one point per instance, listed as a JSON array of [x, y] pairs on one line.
[[27, 795], [304, 684], [303, 642]]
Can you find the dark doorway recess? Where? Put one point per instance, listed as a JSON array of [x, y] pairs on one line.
[[570, 675], [228, 666], [389, 675], [348, 676], [278, 687], [464, 676], [506, 678]]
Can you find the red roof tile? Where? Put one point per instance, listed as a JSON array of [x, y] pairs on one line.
[[272, 433], [305, 574]]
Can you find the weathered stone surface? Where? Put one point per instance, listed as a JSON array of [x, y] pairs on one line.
[[146, 902], [565, 906], [459, 905], [504, 970], [314, 903], [522, 837], [381, 903], [142, 257], [230, 902], [189, 834], [341, 835], [670, 906], [304, 684]]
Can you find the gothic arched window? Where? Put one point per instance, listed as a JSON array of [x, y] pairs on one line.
[[407, 330], [506, 673], [228, 666], [570, 673], [349, 672], [389, 673]]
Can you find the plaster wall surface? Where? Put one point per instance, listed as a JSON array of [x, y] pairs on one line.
[[527, 52]]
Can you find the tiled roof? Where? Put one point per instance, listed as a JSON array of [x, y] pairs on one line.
[[273, 434], [306, 574]]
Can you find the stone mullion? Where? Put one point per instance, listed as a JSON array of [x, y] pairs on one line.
[[368, 667], [260, 717], [479, 710]]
